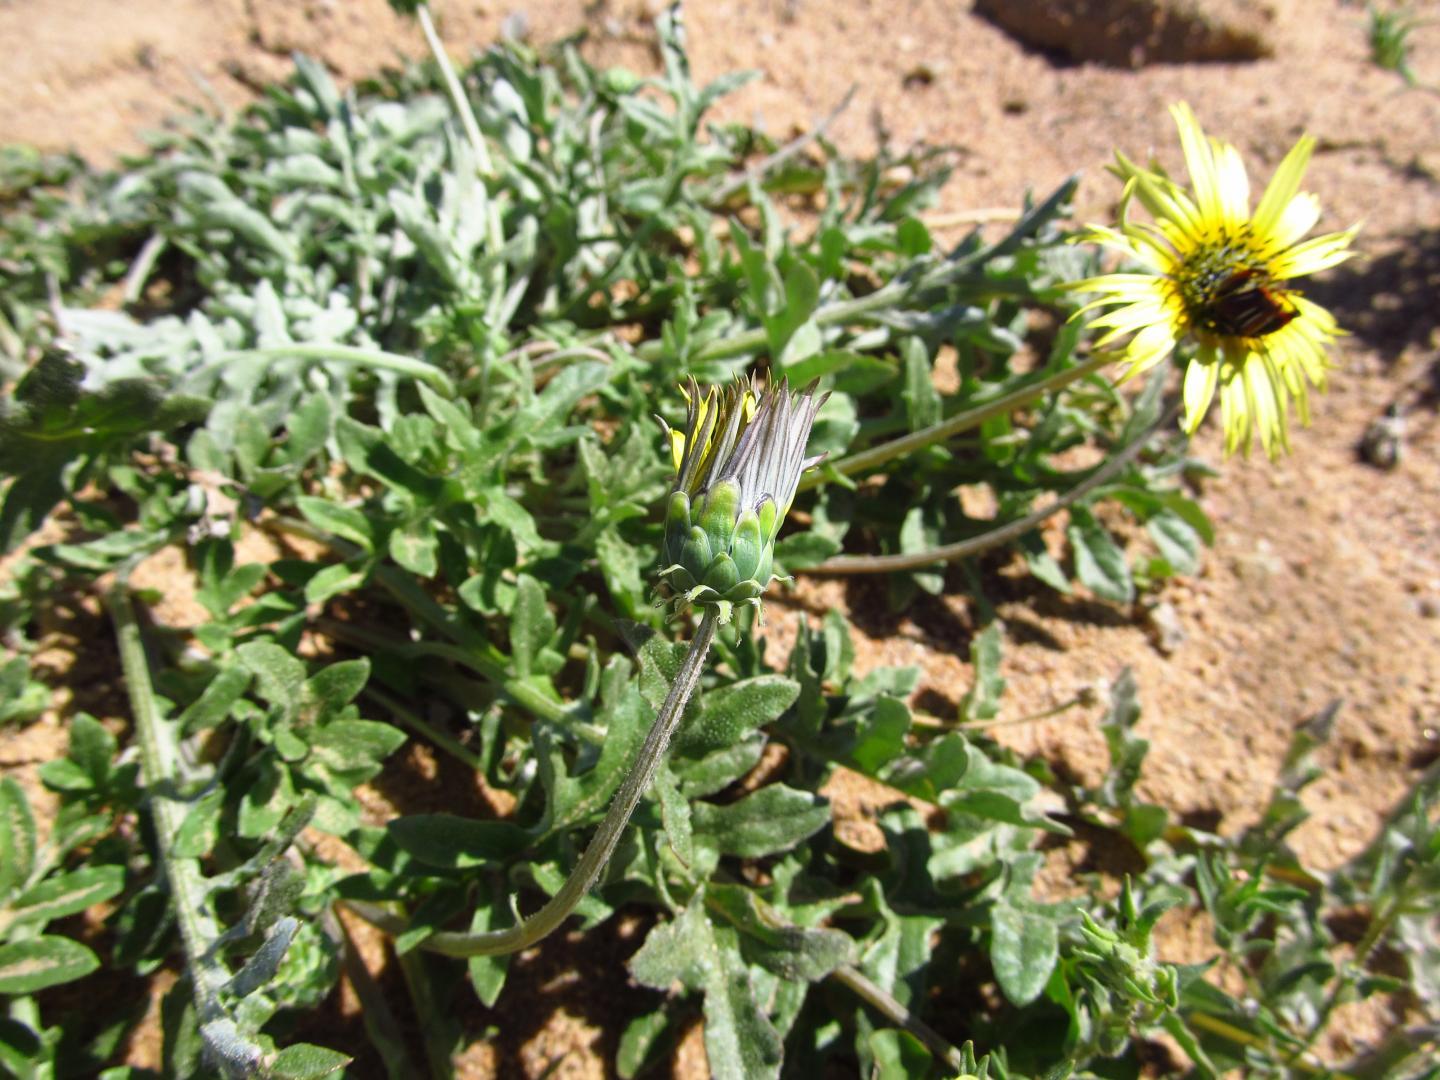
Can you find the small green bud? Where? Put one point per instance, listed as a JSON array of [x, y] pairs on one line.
[[737, 465]]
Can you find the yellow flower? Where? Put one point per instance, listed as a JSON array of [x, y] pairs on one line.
[[1217, 275]]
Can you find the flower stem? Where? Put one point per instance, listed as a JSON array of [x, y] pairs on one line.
[[973, 417], [1004, 534], [159, 771], [602, 845]]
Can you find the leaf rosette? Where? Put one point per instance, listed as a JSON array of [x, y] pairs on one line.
[[738, 463]]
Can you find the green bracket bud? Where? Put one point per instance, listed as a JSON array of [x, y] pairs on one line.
[[738, 464]]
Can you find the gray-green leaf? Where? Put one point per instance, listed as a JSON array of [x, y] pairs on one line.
[[28, 966]]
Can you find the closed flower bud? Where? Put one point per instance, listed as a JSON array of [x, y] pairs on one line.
[[737, 465]]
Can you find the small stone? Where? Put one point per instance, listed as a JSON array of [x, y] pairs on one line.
[[1162, 622], [1383, 444], [515, 26], [1429, 607]]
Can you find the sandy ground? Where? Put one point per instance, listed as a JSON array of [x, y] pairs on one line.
[[1325, 579]]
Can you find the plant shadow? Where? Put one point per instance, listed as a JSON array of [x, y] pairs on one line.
[[1388, 302]]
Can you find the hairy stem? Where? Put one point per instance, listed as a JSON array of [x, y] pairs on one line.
[[896, 1013], [1215, 1026], [159, 771], [1004, 534], [602, 845], [873, 458]]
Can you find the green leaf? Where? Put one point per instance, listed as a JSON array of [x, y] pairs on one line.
[[922, 400], [801, 550], [308, 428], [881, 735], [675, 951], [675, 815], [775, 818], [212, 707], [62, 895], [460, 431], [413, 547], [898, 1055], [862, 373], [21, 1050], [1024, 948], [1179, 544], [791, 952], [574, 799], [52, 421], [727, 715], [354, 746], [531, 625], [17, 836], [487, 973], [336, 685], [1127, 750], [345, 522], [1099, 562], [92, 747], [713, 772], [304, 1061], [268, 793], [201, 826], [280, 677], [1042, 564], [982, 701], [334, 580], [28, 966], [643, 1042], [620, 563], [456, 843], [740, 1042], [802, 295]]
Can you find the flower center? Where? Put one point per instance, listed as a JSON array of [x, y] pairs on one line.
[[1227, 291]]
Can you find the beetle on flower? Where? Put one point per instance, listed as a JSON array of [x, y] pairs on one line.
[[737, 465], [1221, 277]]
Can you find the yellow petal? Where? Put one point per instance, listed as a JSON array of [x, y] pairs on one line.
[[1313, 256], [1168, 202], [1235, 411], [1148, 348], [1266, 415], [1199, 162], [1283, 186], [1200, 382], [1297, 219], [1234, 185]]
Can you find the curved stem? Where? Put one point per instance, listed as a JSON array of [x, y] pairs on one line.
[[963, 421], [896, 1013], [1216, 1026], [602, 844], [1004, 534], [456, 92]]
